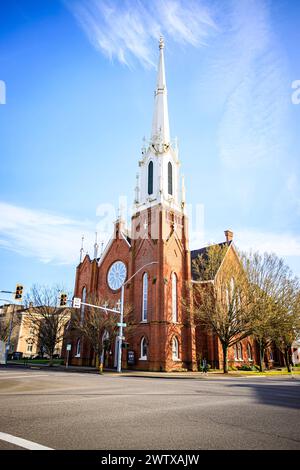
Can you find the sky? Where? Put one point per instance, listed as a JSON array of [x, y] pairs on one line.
[[76, 99]]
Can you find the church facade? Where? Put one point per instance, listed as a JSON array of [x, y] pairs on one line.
[[154, 255]]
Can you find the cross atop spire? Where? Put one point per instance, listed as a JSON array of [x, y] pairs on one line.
[[160, 123]]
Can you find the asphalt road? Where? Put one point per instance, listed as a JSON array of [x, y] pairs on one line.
[[84, 411]]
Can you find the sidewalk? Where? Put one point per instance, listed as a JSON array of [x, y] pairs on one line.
[[147, 374]]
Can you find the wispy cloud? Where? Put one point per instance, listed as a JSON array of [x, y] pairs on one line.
[[255, 105], [38, 234], [125, 30], [283, 244]]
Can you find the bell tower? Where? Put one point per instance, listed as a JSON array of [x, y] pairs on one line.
[[160, 233]]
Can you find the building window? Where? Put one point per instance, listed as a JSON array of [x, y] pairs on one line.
[[238, 352], [29, 348], [174, 298], [78, 347], [249, 350], [144, 349], [83, 299], [175, 349], [145, 297], [150, 178], [170, 178]]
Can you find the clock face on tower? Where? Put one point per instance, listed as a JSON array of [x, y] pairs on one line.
[[116, 275]]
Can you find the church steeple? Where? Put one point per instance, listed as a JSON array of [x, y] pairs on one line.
[[160, 123], [159, 166]]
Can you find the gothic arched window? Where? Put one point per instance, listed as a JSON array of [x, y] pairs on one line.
[[145, 297], [249, 351], [83, 299], [238, 352], [78, 347], [175, 349], [144, 348], [174, 298], [150, 178], [170, 178]]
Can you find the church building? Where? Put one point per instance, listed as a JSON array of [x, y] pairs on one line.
[[155, 253]]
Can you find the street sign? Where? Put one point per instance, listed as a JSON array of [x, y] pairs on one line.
[[130, 358], [69, 347], [121, 324], [76, 302]]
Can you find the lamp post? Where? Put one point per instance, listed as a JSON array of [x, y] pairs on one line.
[[119, 368]]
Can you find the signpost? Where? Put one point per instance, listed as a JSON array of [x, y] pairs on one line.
[[69, 347]]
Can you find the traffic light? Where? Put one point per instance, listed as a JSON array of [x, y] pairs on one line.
[[63, 300], [19, 292]]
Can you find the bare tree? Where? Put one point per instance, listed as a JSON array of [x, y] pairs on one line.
[[46, 317], [221, 302], [100, 328], [273, 291], [287, 311], [4, 329]]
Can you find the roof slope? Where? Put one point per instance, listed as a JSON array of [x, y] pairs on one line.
[[203, 253]]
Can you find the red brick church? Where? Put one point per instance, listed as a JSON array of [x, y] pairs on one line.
[[164, 338]]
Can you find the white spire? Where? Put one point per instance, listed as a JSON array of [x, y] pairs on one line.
[[160, 124], [81, 249], [96, 246]]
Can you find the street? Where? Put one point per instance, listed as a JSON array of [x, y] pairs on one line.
[[60, 410]]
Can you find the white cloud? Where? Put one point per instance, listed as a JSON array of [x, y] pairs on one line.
[[39, 234], [124, 30], [255, 106], [283, 244]]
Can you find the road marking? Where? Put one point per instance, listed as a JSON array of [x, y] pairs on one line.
[[18, 441], [23, 376]]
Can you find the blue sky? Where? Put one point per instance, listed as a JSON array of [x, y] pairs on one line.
[[79, 79]]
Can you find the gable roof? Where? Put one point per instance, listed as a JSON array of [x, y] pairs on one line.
[[203, 252]]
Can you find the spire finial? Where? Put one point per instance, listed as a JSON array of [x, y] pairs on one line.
[[96, 246], [81, 249], [160, 123]]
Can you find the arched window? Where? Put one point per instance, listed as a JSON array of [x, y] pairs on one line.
[[174, 298], [78, 346], [150, 178], [175, 349], [249, 351], [238, 352], [144, 349], [170, 178], [83, 299], [145, 297]]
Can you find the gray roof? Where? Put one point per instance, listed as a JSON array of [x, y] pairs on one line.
[[203, 252]]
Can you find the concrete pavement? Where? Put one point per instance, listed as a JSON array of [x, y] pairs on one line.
[[86, 411]]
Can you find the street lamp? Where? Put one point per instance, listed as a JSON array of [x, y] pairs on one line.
[[119, 368]]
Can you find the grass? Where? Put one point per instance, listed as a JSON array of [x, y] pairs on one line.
[[281, 371]]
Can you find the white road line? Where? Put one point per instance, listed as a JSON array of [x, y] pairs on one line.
[[18, 441], [23, 376]]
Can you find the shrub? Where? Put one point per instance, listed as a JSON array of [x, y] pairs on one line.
[[245, 367]]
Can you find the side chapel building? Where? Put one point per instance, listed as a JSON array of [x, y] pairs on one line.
[[165, 338]]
